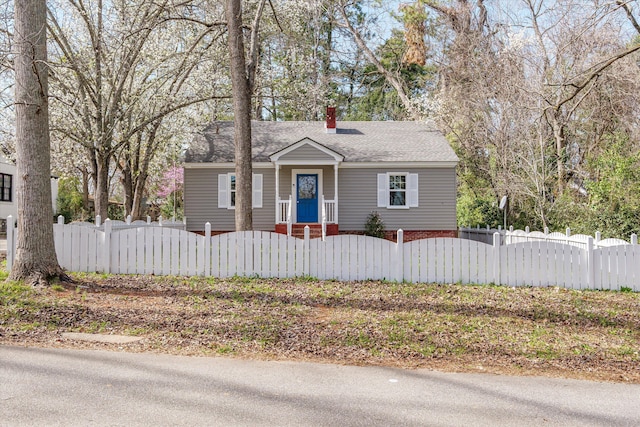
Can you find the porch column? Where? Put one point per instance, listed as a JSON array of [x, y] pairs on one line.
[[277, 193], [335, 194]]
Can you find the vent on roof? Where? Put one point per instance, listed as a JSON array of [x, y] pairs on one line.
[[330, 125]]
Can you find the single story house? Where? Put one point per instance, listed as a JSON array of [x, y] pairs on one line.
[[307, 172]]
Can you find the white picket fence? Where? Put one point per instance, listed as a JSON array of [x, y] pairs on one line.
[[166, 251], [129, 223], [518, 236]]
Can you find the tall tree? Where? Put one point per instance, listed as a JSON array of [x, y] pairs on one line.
[[243, 74], [346, 20], [35, 260], [120, 69]]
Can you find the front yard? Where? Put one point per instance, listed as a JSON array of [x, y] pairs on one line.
[[521, 331]]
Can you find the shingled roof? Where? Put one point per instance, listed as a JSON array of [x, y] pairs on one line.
[[356, 141]]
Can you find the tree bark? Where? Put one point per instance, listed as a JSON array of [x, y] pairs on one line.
[[101, 195], [241, 88], [35, 260]]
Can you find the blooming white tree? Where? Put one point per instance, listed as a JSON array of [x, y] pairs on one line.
[[119, 71]]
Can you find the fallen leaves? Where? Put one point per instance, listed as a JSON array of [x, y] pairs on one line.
[[541, 331]]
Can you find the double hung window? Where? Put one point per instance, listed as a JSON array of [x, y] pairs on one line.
[[398, 190], [6, 187], [227, 190]]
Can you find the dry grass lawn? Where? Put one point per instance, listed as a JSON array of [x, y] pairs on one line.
[[522, 331]]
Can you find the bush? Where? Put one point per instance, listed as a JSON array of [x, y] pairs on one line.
[[69, 200], [374, 226]]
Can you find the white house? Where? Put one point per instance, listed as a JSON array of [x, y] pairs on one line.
[[8, 175]]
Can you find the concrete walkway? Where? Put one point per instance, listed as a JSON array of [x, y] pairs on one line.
[[64, 387]]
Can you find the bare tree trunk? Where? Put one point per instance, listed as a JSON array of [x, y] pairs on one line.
[[241, 116], [558, 136], [127, 185], [35, 260], [85, 189], [101, 194]]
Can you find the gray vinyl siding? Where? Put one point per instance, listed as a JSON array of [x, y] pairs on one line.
[[436, 209], [357, 188], [305, 153], [201, 201]]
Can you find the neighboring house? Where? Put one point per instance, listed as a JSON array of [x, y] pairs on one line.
[[7, 190], [8, 204], [306, 171]]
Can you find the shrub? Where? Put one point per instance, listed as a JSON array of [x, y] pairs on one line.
[[374, 226]]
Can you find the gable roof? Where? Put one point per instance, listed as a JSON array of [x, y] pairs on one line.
[[311, 146], [356, 141]]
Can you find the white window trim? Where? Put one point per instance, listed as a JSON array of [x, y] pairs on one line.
[[224, 191], [406, 190], [411, 190]]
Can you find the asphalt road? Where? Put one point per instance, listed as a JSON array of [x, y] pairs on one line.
[[63, 387]]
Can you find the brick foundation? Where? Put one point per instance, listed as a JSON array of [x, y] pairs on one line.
[[410, 235], [332, 230]]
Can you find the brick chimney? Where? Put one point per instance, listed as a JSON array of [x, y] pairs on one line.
[[330, 126]]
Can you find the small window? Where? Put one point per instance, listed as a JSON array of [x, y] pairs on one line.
[[398, 190], [227, 191], [6, 182]]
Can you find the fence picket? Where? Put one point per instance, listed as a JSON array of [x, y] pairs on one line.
[[157, 251], [83, 259], [299, 254], [223, 252], [483, 264], [272, 260], [167, 250], [386, 261], [148, 251]]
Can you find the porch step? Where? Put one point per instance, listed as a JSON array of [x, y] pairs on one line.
[[315, 230]]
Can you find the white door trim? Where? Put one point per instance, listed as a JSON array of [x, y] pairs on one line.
[[294, 191]]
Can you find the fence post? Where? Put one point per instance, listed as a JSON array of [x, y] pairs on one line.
[[207, 249], [148, 220], [400, 256], [11, 241], [496, 258], [98, 220], [634, 239], [546, 230], [106, 246], [128, 221], [306, 271], [60, 220], [598, 237], [590, 267]]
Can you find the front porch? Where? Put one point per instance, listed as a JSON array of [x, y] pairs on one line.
[[306, 189], [327, 226]]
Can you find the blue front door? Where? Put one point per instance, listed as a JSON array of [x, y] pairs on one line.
[[307, 197]]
